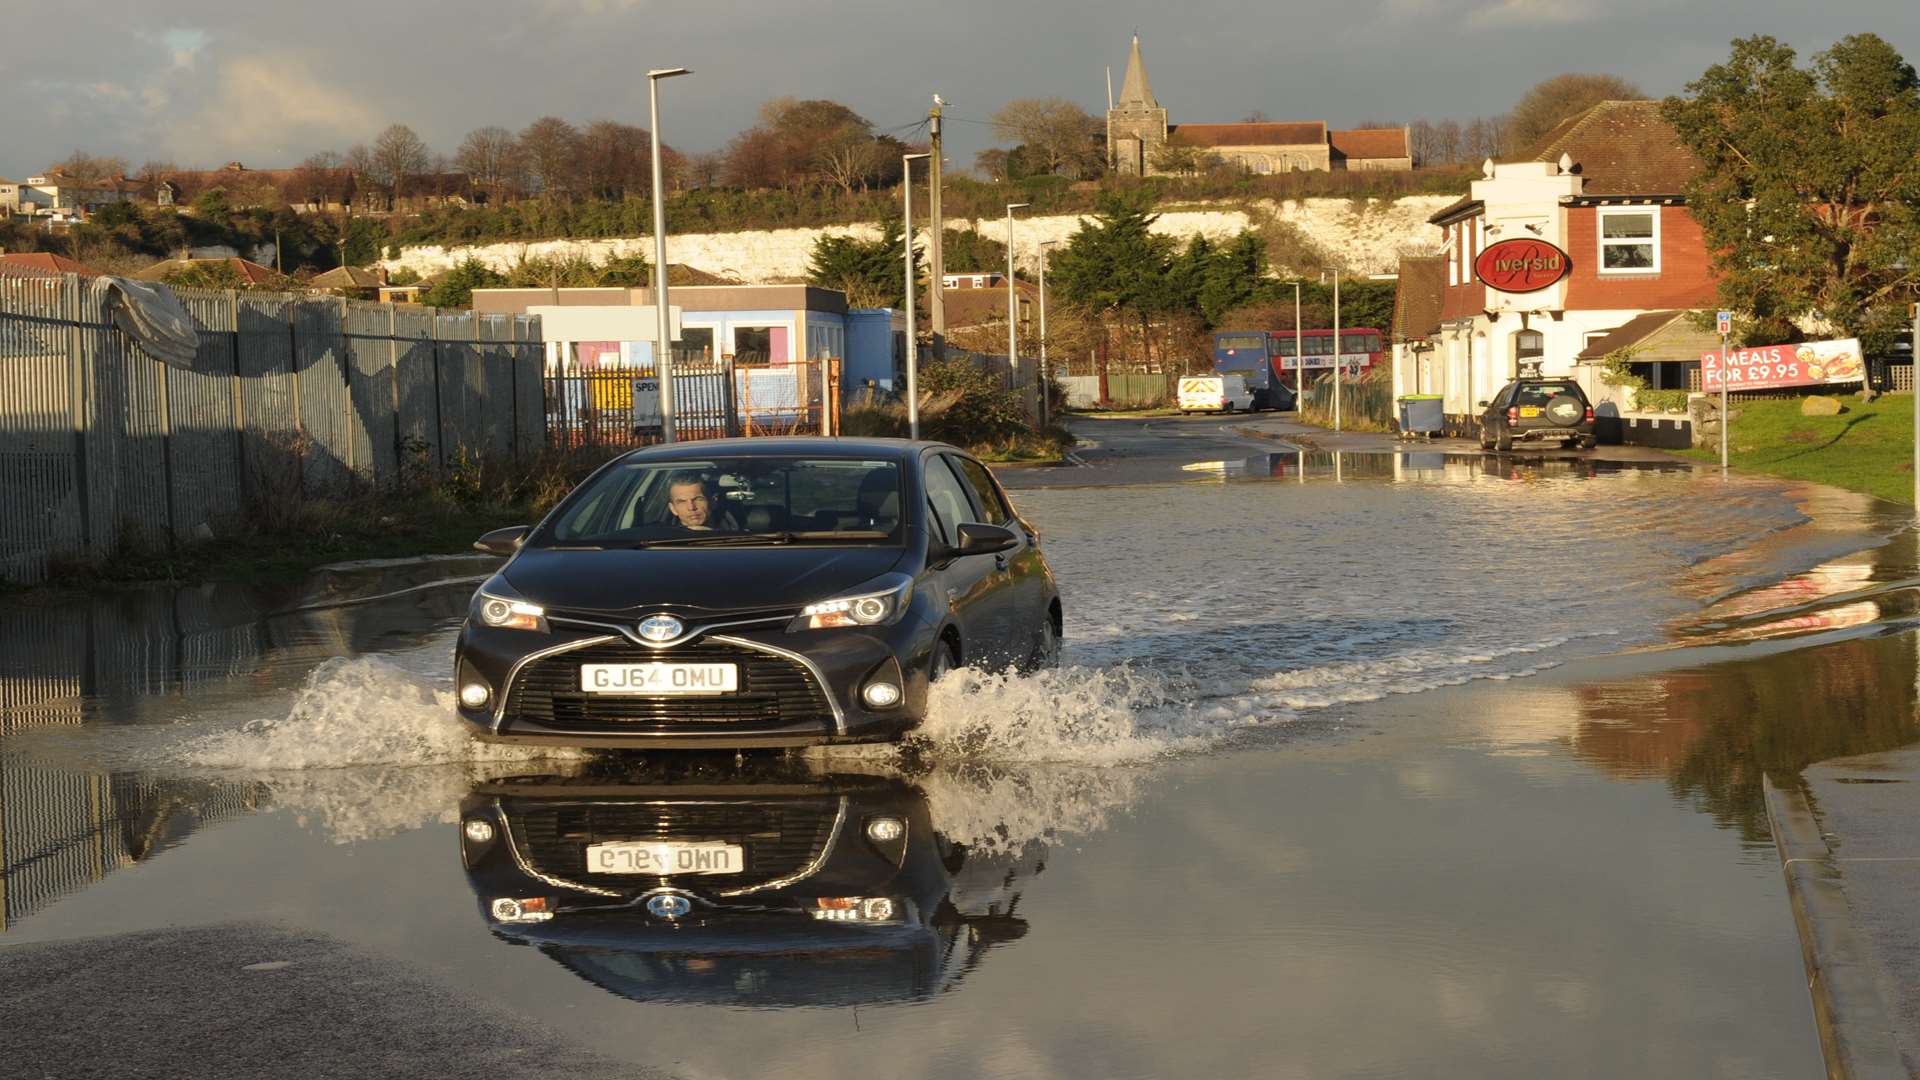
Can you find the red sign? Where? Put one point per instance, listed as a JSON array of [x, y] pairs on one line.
[[1521, 266], [1770, 367]]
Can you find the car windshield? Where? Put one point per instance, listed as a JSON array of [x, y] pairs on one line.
[[732, 501], [1541, 393]]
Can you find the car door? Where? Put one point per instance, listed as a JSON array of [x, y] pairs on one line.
[[1495, 415], [967, 584], [1023, 572]]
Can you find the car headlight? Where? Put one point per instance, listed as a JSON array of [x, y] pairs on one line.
[[868, 910], [878, 603], [498, 606]]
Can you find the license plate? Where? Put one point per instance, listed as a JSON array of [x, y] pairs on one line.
[[1529, 410], [665, 857], [660, 679]]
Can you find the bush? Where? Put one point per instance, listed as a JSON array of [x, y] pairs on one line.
[[1672, 401]]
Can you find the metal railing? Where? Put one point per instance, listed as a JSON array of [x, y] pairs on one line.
[[102, 445], [712, 399]]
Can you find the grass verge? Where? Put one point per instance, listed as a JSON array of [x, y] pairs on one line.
[[1868, 448]]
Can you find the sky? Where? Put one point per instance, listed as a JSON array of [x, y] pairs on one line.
[[200, 83]]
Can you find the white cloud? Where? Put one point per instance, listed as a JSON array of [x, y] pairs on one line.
[[271, 107], [1515, 12]]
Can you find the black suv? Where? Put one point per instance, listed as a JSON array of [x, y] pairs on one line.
[[1537, 410]]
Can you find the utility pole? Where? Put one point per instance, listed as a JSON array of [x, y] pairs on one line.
[[1013, 299], [913, 346], [1336, 352], [1046, 375], [663, 340], [1915, 369], [1299, 357], [936, 288]]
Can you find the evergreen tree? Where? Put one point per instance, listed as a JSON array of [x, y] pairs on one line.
[[868, 271], [1809, 191]]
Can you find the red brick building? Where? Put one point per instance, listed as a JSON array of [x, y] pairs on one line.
[[1600, 209]]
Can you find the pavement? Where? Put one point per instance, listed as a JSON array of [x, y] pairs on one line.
[[250, 1000], [1851, 853]]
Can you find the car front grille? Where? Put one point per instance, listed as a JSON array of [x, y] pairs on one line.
[[780, 839], [775, 692]]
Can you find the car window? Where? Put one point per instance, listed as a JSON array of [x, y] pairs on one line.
[[986, 494], [1541, 393], [817, 497], [947, 498]]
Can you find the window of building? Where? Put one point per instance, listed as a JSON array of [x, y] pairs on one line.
[[1630, 241]]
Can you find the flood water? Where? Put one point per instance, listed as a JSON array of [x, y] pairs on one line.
[[1359, 765]]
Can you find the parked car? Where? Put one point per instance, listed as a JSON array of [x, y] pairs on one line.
[[1537, 410], [753, 593]]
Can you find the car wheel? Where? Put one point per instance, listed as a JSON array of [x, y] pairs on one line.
[[1503, 442], [1046, 647], [1486, 441], [943, 661]]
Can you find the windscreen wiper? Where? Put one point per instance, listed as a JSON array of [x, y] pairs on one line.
[[753, 538]]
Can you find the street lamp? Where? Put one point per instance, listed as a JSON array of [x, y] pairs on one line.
[[1013, 303], [1046, 380], [913, 286], [1299, 356], [663, 340]]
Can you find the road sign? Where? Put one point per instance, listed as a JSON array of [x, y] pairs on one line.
[[1725, 321]]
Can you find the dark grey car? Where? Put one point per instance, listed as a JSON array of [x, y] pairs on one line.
[[754, 593], [1537, 410]]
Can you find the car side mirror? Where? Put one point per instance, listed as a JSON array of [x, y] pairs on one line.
[[978, 539], [503, 541], [1483, 405]]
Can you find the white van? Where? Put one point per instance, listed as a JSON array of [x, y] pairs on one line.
[[1214, 393]]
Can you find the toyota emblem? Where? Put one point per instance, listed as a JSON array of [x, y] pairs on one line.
[[668, 905], [661, 629]]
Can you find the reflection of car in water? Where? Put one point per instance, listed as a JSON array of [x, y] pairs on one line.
[[771, 887]]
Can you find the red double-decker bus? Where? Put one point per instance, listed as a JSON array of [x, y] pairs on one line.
[[1271, 365]]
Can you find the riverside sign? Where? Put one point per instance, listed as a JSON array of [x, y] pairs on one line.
[[1521, 266]]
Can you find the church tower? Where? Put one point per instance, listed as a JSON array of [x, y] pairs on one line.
[[1136, 124]]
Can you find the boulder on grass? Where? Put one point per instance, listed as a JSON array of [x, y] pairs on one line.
[[1821, 406]]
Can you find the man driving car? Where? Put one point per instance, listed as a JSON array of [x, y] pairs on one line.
[[691, 500]]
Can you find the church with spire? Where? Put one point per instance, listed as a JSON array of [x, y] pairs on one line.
[[1140, 142]]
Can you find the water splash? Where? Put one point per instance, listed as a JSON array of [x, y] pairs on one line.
[[357, 711]]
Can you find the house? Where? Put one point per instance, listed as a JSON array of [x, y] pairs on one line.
[[305, 188], [58, 197], [353, 282], [751, 324], [44, 263], [1416, 323], [9, 196], [245, 272], [1548, 255], [1140, 141], [971, 307]]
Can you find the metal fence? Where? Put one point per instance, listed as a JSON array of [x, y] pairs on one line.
[[711, 400], [102, 445]]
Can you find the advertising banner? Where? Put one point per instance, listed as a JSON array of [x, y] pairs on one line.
[[1774, 367], [1347, 360]]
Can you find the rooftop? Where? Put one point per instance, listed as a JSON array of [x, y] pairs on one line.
[[1297, 133], [1365, 143], [1621, 148], [1417, 298]]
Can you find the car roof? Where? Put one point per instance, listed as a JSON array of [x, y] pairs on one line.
[[804, 446]]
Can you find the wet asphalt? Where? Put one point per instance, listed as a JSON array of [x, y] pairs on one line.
[[1661, 963]]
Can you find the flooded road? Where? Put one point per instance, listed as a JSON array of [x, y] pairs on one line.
[[1360, 765]]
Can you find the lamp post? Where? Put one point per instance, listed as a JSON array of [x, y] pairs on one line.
[[1299, 357], [913, 286], [1046, 376], [663, 339], [1013, 302]]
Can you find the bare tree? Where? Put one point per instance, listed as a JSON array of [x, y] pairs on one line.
[[702, 170], [1256, 116], [1060, 136], [552, 149], [81, 165], [1446, 141], [615, 160], [487, 155], [398, 155], [1480, 140], [359, 162], [991, 163], [1550, 102], [849, 157]]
